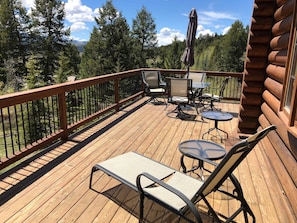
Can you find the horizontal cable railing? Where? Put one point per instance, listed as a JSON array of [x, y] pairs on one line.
[[33, 119]]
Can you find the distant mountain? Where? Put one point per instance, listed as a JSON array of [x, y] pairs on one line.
[[79, 44]]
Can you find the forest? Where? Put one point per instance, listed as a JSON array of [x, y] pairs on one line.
[[36, 49]]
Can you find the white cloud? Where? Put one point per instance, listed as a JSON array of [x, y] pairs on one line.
[[76, 12], [218, 15], [78, 26], [167, 35], [214, 20], [78, 39], [201, 31], [225, 30]]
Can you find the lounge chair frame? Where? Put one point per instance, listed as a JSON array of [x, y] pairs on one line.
[[141, 180]]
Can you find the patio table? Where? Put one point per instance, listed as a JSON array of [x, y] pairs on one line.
[[200, 150], [216, 116]]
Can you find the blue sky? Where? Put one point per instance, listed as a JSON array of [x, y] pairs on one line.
[[171, 16]]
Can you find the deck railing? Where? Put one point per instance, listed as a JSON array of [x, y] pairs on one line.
[[33, 119]]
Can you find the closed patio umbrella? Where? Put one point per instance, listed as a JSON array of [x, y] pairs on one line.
[[188, 55]]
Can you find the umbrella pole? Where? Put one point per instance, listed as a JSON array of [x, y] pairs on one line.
[[188, 71]]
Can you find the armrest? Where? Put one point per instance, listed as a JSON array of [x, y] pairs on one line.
[[163, 84], [169, 188], [145, 83]]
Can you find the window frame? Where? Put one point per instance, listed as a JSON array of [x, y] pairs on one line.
[[292, 67]]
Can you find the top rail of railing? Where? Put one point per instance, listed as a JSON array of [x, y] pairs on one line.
[[33, 119]]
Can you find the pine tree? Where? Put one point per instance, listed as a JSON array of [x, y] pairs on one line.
[[232, 48], [109, 49], [72, 53], [145, 35], [14, 28], [172, 58], [49, 33], [69, 60], [33, 78], [12, 82], [91, 62], [65, 70]]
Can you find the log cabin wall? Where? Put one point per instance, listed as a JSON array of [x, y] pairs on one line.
[[255, 65], [263, 88]]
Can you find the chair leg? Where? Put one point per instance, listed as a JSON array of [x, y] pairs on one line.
[[141, 207], [180, 112], [91, 176], [155, 99], [210, 105], [195, 105], [211, 211]]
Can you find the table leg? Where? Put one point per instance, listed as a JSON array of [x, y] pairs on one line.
[[209, 130], [217, 129], [201, 167], [183, 164], [223, 131]]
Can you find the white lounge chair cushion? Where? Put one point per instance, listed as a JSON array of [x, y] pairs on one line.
[[181, 182], [129, 165]]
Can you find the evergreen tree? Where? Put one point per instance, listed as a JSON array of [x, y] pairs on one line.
[[69, 60], [109, 49], [232, 48], [36, 110], [145, 35], [172, 58], [72, 53], [49, 34], [12, 81], [14, 25], [65, 69], [33, 78], [91, 64]]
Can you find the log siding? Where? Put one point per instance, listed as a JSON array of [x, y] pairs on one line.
[[266, 69]]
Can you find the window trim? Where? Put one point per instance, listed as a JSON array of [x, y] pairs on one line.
[[291, 66]]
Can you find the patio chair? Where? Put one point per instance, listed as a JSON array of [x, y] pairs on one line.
[[179, 91], [154, 85], [212, 97], [178, 191], [196, 78]]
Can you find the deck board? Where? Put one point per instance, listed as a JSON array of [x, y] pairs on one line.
[[56, 184]]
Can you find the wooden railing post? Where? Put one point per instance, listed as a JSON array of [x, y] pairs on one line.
[[63, 115], [117, 93]]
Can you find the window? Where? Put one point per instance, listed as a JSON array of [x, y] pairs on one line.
[[290, 102], [291, 81]]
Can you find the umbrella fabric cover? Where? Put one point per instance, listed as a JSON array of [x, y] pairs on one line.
[[188, 55]]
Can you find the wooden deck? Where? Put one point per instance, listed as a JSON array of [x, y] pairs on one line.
[[53, 187]]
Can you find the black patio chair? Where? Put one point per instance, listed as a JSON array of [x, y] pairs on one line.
[[154, 85], [179, 93], [209, 98]]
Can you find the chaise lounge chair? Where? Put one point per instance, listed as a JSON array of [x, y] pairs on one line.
[[181, 192]]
